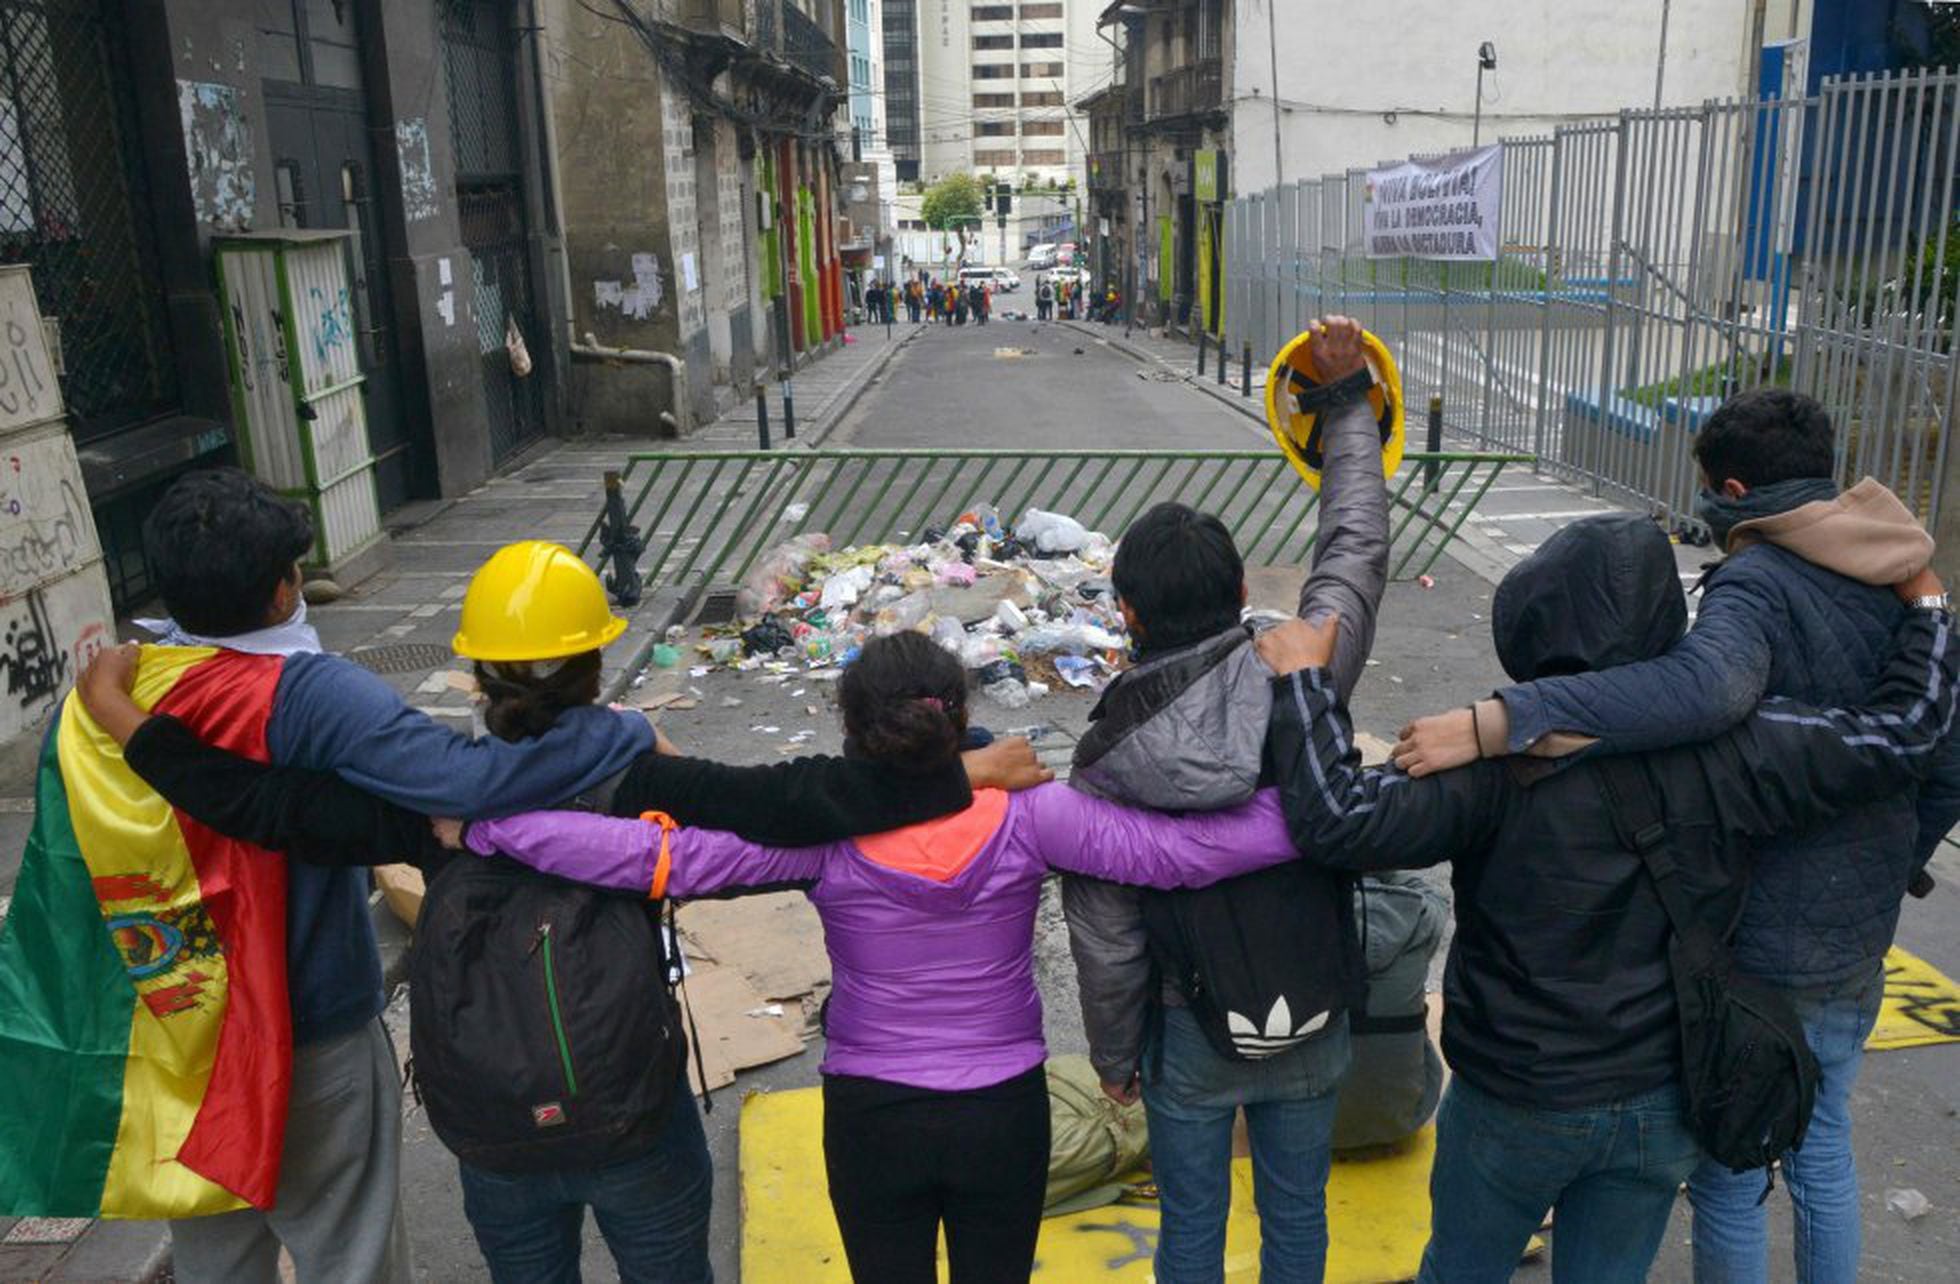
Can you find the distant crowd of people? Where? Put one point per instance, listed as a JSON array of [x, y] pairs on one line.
[[930, 301]]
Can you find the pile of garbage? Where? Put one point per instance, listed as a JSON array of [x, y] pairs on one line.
[[1028, 610]]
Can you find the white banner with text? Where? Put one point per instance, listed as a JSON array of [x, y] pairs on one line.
[[1446, 208]]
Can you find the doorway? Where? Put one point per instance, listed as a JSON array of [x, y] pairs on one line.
[[323, 173]]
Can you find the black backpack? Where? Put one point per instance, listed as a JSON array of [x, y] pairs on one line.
[[543, 1027], [1264, 961], [1748, 1078]]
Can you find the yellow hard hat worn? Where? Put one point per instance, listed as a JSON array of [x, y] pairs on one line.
[[1289, 386], [534, 600]]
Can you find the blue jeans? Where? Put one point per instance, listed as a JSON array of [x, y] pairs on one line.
[[1190, 1098], [653, 1212], [1731, 1226], [1611, 1173]]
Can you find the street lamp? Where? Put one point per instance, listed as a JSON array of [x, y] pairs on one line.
[[1486, 61]]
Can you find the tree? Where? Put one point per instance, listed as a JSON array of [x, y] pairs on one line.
[[953, 204]]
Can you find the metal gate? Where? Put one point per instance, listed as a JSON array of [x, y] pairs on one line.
[[1650, 265], [74, 206], [480, 69]]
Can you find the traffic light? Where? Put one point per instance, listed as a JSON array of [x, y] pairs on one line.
[[1004, 200], [989, 195]]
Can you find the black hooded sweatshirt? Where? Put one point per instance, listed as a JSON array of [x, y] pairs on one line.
[[1557, 993]]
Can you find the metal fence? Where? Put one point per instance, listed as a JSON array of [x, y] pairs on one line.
[[1652, 264], [709, 515]]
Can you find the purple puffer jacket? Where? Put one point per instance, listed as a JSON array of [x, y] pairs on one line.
[[932, 941]]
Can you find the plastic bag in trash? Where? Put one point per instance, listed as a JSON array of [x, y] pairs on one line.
[[906, 613], [1000, 671], [1052, 532], [1008, 693], [779, 574], [844, 588], [767, 637], [1075, 639], [950, 634]]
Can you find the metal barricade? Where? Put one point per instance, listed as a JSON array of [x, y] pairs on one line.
[[707, 516]]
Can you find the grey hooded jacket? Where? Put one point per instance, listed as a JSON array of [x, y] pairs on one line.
[[1186, 731]]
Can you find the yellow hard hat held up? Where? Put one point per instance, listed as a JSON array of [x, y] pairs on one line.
[[534, 600], [1295, 421]]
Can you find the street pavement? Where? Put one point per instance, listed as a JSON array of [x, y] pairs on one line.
[[1026, 384]]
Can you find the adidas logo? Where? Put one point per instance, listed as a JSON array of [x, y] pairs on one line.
[[1279, 1034]]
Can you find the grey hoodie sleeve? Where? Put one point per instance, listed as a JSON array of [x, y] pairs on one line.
[[1112, 971], [1350, 556]]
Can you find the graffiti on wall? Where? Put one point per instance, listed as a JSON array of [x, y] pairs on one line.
[[420, 199], [329, 322], [27, 388], [218, 145], [44, 526]]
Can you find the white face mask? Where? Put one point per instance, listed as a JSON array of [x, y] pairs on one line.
[[293, 636]]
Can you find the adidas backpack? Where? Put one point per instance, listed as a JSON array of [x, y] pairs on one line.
[[1264, 961]]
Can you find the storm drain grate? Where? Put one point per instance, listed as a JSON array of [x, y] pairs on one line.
[[402, 657], [717, 607]]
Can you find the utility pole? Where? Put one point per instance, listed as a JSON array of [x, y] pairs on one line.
[[1660, 59], [1279, 165]]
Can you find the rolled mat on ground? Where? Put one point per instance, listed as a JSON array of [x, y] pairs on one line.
[[145, 1032]]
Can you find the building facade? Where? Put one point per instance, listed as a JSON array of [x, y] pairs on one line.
[[1205, 99], [995, 82], [557, 217]]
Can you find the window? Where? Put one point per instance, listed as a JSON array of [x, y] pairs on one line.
[[993, 13], [1039, 127], [1043, 158], [1041, 98], [993, 42], [1042, 40], [993, 100], [1004, 159], [1041, 69], [993, 71], [1040, 11], [994, 129]]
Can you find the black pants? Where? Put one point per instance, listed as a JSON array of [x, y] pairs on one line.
[[902, 1160]]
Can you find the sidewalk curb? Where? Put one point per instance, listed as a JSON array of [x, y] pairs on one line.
[[852, 392], [1252, 408]]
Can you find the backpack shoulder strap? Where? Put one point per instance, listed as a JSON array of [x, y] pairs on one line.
[[1642, 827]]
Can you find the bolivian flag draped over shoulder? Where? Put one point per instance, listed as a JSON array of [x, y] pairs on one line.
[[145, 1032]]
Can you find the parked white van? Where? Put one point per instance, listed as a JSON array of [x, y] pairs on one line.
[[1003, 280]]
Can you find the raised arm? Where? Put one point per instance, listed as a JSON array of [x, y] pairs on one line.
[[1085, 835], [613, 851], [1792, 766], [335, 715], [1350, 557]]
